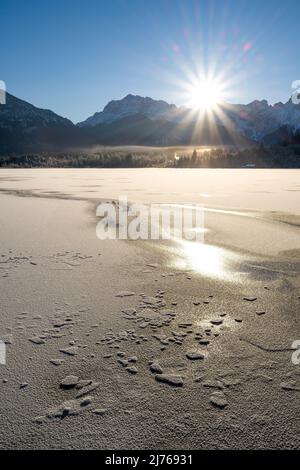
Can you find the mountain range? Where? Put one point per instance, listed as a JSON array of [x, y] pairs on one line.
[[135, 120]]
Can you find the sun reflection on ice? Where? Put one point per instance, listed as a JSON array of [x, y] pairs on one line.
[[205, 259]]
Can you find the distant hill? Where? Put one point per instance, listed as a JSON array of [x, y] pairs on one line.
[[23, 128], [131, 105], [135, 120], [254, 121], [137, 129]]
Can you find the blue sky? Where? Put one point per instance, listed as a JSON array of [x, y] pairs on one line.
[[73, 56]]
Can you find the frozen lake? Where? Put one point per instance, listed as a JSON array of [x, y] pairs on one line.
[[264, 190]]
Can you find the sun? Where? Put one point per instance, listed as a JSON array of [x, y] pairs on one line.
[[204, 95]]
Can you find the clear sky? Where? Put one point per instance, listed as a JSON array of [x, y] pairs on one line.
[[73, 56]]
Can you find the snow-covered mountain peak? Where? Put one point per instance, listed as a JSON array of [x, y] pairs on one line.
[[131, 104]]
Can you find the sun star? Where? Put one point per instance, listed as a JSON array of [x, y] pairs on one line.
[[204, 95]]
